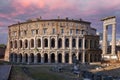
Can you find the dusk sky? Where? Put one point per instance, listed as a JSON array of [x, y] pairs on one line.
[[12, 11]]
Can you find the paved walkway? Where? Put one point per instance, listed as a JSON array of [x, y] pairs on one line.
[[4, 72]]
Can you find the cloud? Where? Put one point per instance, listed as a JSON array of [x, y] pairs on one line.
[[12, 11]]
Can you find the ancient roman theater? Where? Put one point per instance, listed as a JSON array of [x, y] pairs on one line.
[[38, 40]]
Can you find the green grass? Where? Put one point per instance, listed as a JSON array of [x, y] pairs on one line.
[[39, 73]]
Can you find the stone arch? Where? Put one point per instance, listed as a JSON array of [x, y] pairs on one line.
[[66, 58], [11, 44], [38, 42], [86, 58], [26, 57], [45, 58], [66, 42], [52, 42], [38, 58], [73, 58], [73, 42], [31, 58], [80, 43], [26, 43], [52, 58], [20, 57], [59, 43], [91, 57], [11, 57], [59, 58], [15, 57], [80, 57], [45, 42], [20, 43], [15, 44], [32, 43]]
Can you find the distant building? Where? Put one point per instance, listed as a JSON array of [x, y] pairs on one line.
[[52, 41], [2, 52]]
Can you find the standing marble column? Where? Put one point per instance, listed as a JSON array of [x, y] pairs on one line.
[[42, 42], [83, 53], [104, 47], [63, 57], [113, 38], [49, 42], [56, 43], [71, 42], [63, 43], [70, 57], [77, 42]]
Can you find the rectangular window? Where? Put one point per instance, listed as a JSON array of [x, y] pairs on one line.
[[21, 33], [25, 32], [62, 31], [77, 31], [53, 31], [71, 31], [37, 31], [44, 30], [33, 32]]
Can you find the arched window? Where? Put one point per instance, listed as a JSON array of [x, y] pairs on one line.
[[53, 43], [45, 58], [45, 42], [80, 43], [67, 58], [59, 58], [73, 43], [38, 42], [11, 44], [26, 43], [15, 44], [26, 57], [59, 43], [52, 58], [38, 58], [32, 58], [32, 43], [20, 43], [66, 42], [20, 57]]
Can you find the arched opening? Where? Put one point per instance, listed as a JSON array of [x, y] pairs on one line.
[[80, 43], [66, 58], [52, 42], [20, 57], [52, 58], [11, 57], [45, 42], [59, 43], [73, 43], [80, 57], [73, 58], [26, 43], [45, 58], [38, 58], [32, 43], [20, 43], [66, 42], [59, 58], [38, 42], [15, 57], [91, 59], [11, 44], [26, 58], [15, 44], [32, 58], [86, 58]]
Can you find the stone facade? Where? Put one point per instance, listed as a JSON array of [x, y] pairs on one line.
[[52, 41]]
